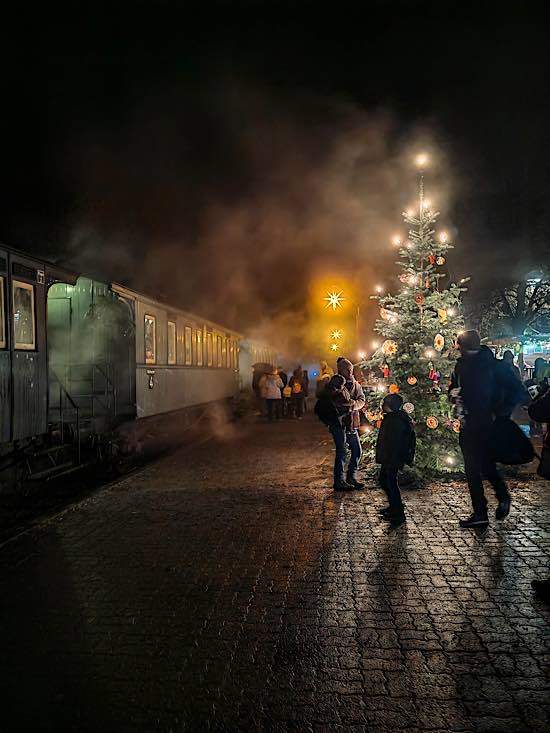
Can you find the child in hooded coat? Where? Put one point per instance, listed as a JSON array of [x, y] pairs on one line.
[[394, 448]]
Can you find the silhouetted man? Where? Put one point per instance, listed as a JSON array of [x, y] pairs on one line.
[[475, 388]]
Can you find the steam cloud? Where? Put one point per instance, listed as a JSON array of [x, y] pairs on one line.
[[304, 187]]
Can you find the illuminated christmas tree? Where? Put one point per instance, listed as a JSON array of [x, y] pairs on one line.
[[418, 328]]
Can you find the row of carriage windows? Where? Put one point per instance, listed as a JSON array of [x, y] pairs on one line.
[[260, 355], [24, 328], [199, 349]]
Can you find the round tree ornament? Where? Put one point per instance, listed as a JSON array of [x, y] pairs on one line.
[[439, 342], [456, 426], [389, 347], [412, 380], [393, 389], [431, 422], [408, 407], [419, 299], [440, 260]]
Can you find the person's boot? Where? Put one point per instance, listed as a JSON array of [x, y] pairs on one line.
[[385, 510], [352, 481], [342, 485], [395, 516], [503, 508], [542, 589], [477, 519], [397, 519]]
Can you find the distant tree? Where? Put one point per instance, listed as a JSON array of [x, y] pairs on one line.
[[517, 310]]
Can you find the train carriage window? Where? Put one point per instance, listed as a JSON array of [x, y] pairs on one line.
[[23, 316], [219, 351], [171, 342], [188, 348], [231, 351], [209, 349], [199, 349], [224, 352], [194, 344], [150, 339], [2, 316]]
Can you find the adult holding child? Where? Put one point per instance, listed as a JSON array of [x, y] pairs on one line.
[[338, 408]]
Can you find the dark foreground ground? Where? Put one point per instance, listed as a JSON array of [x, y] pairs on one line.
[[226, 587]]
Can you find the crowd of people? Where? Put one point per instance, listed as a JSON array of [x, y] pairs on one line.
[[280, 396]]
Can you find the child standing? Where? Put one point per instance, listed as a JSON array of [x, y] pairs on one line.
[[394, 448]]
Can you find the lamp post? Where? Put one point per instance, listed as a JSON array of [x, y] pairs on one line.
[[334, 300]]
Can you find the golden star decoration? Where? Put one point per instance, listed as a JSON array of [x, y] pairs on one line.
[[334, 299]]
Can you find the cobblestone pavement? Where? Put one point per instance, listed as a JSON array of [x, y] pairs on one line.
[[226, 587]]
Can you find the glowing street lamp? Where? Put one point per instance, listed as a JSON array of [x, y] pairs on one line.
[[334, 299]]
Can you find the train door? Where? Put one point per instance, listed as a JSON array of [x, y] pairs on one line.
[[5, 354], [26, 303]]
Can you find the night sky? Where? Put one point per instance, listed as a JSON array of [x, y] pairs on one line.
[[220, 157]]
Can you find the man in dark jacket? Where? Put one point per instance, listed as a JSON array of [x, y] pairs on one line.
[[539, 410], [394, 448], [475, 387], [344, 424]]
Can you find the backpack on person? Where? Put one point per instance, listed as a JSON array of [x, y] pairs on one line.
[[509, 444], [326, 411], [510, 391]]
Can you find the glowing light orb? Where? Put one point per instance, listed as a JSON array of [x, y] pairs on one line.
[[334, 347], [443, 237], [421, 160], [362, 355], [379, 288], [396, 240], [410, 212], [336, 335], [451, 311], [334, 300], [376, 344]]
